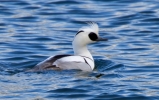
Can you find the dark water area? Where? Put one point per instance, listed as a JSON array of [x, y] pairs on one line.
[[127, 65]]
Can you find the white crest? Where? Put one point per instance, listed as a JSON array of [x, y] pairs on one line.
[[92, 26]]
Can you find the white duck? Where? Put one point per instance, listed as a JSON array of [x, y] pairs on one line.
[[82, 58]]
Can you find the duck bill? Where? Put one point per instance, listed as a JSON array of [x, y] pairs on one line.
[[102, 39]]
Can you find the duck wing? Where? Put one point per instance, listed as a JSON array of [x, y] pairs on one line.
[[48, 63], [63, 62]]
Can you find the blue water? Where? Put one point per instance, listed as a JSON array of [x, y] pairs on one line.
[[127, 66]]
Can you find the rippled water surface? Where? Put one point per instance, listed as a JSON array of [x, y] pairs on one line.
[[127, 66]]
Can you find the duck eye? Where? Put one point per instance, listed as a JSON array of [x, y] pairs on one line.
[[93, 36]]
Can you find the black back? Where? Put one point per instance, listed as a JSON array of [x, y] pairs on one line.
[[53, 59]]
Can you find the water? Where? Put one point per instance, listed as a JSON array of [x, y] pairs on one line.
[[126, 65]]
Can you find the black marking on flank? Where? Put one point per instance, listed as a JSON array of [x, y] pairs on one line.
[[79, 32], [87, 57], [93, 36], [86, 61]]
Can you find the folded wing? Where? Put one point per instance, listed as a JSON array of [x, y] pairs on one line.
[[63, 62]]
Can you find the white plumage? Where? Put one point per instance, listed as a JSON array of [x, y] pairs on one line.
[[82, 58]]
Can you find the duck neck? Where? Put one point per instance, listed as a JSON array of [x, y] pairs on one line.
[[82, 51]]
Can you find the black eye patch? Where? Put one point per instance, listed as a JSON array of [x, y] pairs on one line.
[[79, 32], [93, 36]]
